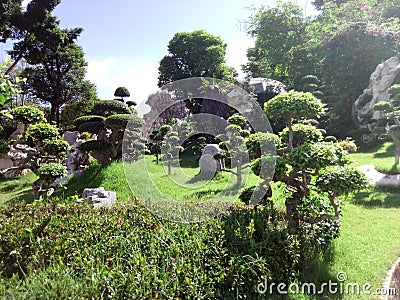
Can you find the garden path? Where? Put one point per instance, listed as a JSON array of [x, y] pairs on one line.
[[379, 178]]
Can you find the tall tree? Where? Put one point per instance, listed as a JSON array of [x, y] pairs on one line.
[[58, 77], [24, 26], [194, 54], [280, 37]]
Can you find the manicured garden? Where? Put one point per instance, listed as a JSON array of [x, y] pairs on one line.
[[65, 248]]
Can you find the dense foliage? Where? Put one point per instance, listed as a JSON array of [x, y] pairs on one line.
[[338, 49], [185, 49], [113, 123], [138, 255]]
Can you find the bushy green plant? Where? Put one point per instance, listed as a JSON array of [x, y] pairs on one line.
[[56, 147], [4, 147], [27, 114], [49, 172], [88, 118], [95, 145], [302, 133], [37, 133], [349, 145], [110, 107], [93, 127]]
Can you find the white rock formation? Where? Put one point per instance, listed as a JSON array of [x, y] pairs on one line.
[[98, 197], [380, 81]]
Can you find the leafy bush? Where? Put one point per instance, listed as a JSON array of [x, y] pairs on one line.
[[110, 107], [90, 118], [349, 145], [301, 134], [27, 114], [4, 147], [39, 132], [49, 172]]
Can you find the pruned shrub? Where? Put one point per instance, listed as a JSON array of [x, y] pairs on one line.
[[49, 172], [92, 127], [39, 132], [349, 145], [91, 118], [302, 133], [110, 107], [95, 145], [27, 114], [57, 148], [121, 120]]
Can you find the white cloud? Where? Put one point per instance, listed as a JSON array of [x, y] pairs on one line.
[[236, 52], [25, 3], [138, 77]]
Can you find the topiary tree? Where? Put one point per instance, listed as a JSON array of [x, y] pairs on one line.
[[122, 92], [155, 140], [390, 114], [293, 105], [27, 115], [107, 122], [314, 172], [44, 151], [233, 143], [170, 149]]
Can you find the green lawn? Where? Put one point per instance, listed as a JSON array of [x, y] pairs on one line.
[[381, 157], [369, 241]]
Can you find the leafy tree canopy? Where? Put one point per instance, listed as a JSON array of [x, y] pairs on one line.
[[194, 54]]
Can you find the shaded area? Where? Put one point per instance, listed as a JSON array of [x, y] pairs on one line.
[[378, 196], [18, 189]]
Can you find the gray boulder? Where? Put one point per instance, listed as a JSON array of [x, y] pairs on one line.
[[98, 197]]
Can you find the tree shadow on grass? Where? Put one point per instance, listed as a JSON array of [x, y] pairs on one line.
[[91, 177], [378, 196], [389, 152]]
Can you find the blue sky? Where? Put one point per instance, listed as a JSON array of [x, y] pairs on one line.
[[125, 40]]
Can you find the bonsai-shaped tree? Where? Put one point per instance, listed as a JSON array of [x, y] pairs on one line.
[[391, 114], [155, 140], [170, 148], [122, 92], [306, 165], [233, 143], [108, 122], [45, 150]]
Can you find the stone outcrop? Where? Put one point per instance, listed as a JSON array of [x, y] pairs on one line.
[[76, 160], [98, 197], [15, 163], [380, 81], [207, 162], [163, 108]]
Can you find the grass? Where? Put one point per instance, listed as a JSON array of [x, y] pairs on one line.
[[17, 189], [381, 157], [367, 247], [368, 244]]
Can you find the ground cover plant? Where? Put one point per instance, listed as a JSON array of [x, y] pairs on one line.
[[98, 251]]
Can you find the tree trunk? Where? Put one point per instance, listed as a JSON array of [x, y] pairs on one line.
[[239, 174], [53, 113], [290, 144]]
